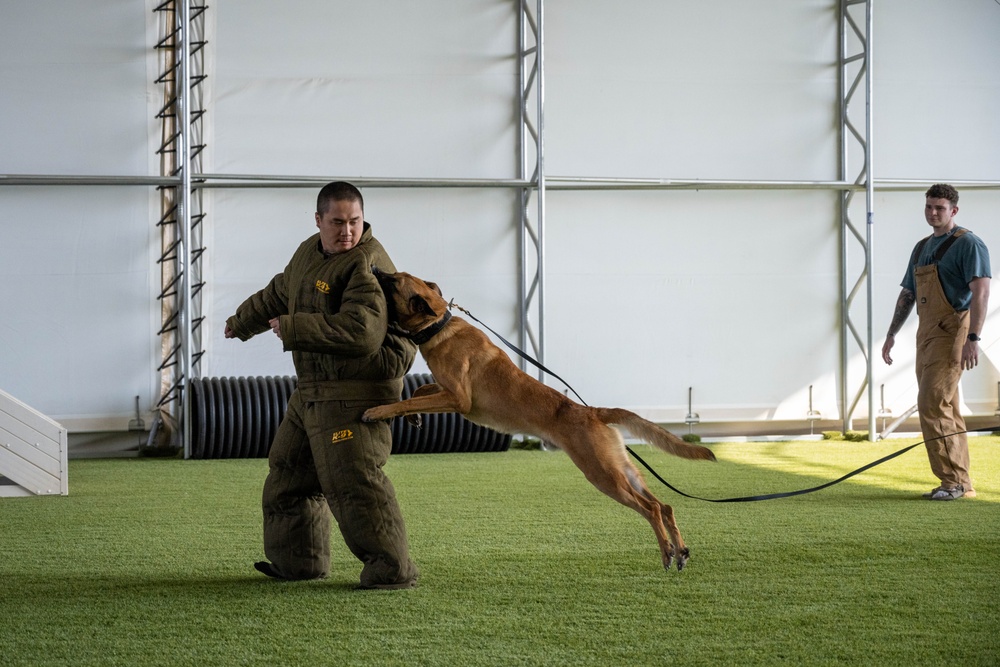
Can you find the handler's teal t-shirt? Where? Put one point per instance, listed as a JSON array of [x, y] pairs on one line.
[[967, 259]]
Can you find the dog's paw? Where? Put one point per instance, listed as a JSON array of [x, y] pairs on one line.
[[370, 415], [416, 421], [682, 558]]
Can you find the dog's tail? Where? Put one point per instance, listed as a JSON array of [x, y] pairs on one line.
[[653, 434]]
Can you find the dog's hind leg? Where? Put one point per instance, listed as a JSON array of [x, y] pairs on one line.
[[665, 512], [660, 517], [680, 549], [605, 466]]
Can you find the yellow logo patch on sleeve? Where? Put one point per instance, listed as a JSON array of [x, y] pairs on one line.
[[323, 286], [341, 436]]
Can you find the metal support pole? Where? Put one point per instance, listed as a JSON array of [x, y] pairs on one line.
[[851, 31], [184, 223], [870, 206], [182, 55], [540, 223], [844, 200], [524, 194], [531, 287]]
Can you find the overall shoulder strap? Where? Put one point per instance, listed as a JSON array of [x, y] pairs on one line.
[[949, 243], [941, 250], [919, 249]]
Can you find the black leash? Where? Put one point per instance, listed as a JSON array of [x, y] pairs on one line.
[[744, 499], [789, 494], [524, 355], [785, 494]]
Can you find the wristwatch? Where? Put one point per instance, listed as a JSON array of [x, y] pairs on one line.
[[974, 337]]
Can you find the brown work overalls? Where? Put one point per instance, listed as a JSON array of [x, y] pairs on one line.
[[941, 335]]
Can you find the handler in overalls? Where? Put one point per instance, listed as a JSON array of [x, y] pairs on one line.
[[948, 278]]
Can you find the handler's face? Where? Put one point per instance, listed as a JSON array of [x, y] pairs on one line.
[[340, 227], [940, 214]]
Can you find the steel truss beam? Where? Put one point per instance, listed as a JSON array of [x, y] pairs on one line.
[[531, 233], [856, 82], [181, 54]]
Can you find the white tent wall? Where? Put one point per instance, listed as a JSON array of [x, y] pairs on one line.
[[662, 291], [696, 295], [77, 278], [735, 293], [77, 331], [711, 90], [379, 89]]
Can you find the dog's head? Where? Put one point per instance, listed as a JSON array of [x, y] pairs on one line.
[[414, 304]]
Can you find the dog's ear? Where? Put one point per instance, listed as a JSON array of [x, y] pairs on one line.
[[419, 305], [434, 287]]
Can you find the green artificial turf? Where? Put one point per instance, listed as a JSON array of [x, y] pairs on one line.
[[149, 562]]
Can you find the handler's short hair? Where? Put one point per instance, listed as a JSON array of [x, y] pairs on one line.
[[943, 191], [338, 191]]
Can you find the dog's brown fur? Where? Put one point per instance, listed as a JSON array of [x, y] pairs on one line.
[[479, 381]]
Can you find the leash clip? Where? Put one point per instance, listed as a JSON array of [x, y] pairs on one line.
[[453, 305]]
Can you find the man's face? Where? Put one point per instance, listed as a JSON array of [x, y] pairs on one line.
[[939, 214], [341, 226]]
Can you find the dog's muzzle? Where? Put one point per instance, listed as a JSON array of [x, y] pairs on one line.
[[387, 284], [385, 281]]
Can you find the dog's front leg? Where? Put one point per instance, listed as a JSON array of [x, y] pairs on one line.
[[430, 401], [417, 421]]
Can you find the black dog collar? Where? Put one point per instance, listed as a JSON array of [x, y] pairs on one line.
[[425, 335]]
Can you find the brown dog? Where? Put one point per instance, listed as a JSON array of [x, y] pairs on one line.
[[478, 380]]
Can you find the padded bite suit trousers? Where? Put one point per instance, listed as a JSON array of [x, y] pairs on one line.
[[324, 460]]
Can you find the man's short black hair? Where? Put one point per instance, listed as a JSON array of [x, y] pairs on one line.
[[943, 191], [338, 191]]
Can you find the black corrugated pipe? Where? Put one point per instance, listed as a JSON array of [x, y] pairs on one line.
[[237, 418]]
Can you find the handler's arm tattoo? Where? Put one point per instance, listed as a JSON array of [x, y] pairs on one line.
[[904, 305]]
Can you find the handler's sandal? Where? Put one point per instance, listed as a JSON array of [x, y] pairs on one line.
[[949, 494]]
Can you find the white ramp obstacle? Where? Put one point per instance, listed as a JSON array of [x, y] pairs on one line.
[[32, 451]]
